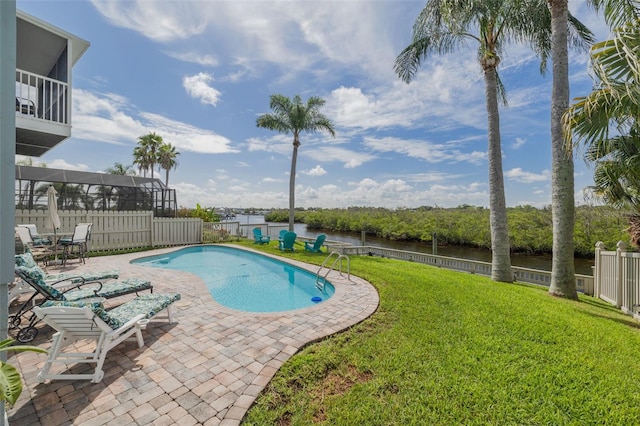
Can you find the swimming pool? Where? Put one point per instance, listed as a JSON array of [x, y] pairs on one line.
[[244, 280]]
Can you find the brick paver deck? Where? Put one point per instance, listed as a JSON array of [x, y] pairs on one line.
[[206, 368]]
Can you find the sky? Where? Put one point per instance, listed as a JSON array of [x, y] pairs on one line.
[[199, 74]]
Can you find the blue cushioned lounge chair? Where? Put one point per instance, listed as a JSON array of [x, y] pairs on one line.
[[76, 291], [286, 244], [315, 246], [90, 321]]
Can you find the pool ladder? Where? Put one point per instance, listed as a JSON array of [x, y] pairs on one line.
[[320, 281]]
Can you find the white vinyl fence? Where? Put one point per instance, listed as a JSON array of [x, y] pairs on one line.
[[121, 230], [617, 278], [584, 283]]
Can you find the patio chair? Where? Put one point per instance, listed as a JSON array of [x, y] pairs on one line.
[[78, 242], [21, 287], [28, 261], [258, 238], [287, 242], [83, 290], [281, 234], [90, 321], [39, 253], [25, 106], [315, 246], [37, 239]]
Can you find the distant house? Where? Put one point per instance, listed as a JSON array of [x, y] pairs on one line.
[[45, 56]]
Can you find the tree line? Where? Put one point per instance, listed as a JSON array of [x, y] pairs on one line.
[[530, 229]]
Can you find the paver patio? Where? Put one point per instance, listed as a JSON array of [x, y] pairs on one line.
[[206, 368]]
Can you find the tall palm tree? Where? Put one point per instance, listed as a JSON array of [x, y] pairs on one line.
[[146, 153], [141, 159], [167, 159], [445, 25], [563, 283], [607, 122], [293, 117]]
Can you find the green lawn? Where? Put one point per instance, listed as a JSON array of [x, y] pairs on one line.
[[453, 348]]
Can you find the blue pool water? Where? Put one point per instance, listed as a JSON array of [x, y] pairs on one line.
[[245, 280]]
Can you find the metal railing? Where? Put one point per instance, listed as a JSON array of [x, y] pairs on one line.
[[42, 98]]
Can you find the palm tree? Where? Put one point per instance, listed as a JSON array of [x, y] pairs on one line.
[[146, 153], [607, 122], [167, 159], [445, 25], [563, 283], [293, 117], [141, 159], [120, 169]]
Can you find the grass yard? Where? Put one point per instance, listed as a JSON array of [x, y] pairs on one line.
[[452, 348]]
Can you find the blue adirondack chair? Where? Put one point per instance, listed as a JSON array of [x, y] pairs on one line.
[[315, 246], [258, 238], [288, 239]]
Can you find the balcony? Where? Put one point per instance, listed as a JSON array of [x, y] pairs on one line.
[[41, 98], [45, 56]]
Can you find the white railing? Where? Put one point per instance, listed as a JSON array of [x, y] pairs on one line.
[[584, 283], [617, 278], [41, 97]]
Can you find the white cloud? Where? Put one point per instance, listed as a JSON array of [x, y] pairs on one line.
[[205, 60], [197, 86], [328, 153], [62, 164], [112, 119], [316, 171], [519, 143], [519, 175], [424, 150]]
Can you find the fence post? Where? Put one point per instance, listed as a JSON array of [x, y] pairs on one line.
[[152, 226], [597, 269], [621, 248]]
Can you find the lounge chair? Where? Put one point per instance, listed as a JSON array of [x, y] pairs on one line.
[[315, 246], [83, 290], [286, 244], [258, 238], [39, 253], [90, 321], [21, 287], [28, 261]]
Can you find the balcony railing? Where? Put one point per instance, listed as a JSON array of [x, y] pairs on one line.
[[41, 98]]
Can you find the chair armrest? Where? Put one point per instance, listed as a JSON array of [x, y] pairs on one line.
[[80, 284]]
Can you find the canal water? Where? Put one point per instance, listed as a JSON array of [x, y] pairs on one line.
[[542, 262]]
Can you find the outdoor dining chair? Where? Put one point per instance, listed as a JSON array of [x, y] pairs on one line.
[[77, 244]]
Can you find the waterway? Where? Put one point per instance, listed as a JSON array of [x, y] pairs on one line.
[[542, 262]]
